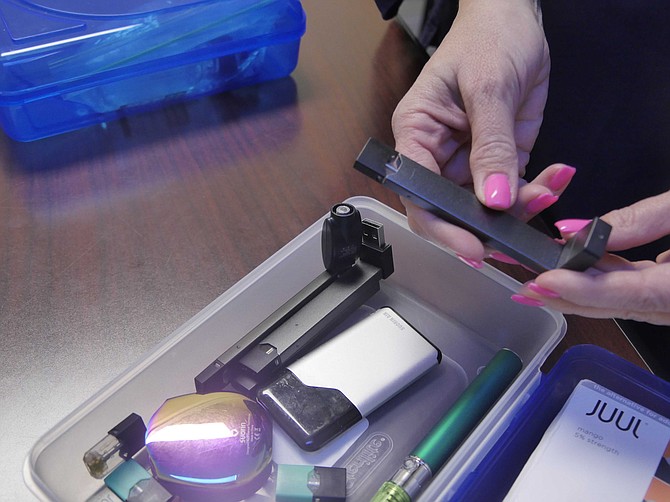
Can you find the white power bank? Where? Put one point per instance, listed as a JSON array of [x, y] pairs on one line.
[[326, 391]]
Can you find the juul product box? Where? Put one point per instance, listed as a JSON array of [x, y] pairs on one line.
[[65, 64]]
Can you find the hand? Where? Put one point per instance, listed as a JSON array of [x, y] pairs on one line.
[[615, 287], [475, 111]]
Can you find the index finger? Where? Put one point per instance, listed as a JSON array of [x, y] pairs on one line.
[[640, 223]]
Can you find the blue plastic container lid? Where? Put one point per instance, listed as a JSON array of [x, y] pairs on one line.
[[50, 46], [495, 475]]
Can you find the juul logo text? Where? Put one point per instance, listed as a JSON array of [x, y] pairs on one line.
[[601, 411]]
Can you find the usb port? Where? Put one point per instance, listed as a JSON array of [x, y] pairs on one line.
[[374, 249], [373, 234]]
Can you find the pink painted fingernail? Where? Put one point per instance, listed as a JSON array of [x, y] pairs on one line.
[[561, 178], [470, 262], [524, 300], [502, 257], [536, 288], [497, 192], [571, 226], [541, 202]]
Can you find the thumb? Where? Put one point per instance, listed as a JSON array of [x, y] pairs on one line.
[[494, 160], [640, 223]]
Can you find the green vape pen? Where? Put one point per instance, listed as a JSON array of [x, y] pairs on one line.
[[448, 434]]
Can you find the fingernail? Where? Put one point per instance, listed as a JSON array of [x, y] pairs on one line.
[[502, 257], [471, 263], [561, 178], [524, 300], [541, 202], [497, 192], [571, 226], [536, 288]]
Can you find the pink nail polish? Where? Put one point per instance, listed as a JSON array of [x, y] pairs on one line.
[[571, 226], [536, 288], [561, 178], [471, 263], [541, 202], [502, 257], [497, 192], [524, 300]]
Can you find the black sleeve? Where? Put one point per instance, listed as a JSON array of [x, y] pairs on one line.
[[439, 16], [388, 8]]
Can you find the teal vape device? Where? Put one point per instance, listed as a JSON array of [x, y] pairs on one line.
[[447, 435]]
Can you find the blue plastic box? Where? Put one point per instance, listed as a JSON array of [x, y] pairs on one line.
[[66, 64], [495, 475]]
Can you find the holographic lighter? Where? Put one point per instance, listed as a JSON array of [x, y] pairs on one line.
[[215, 446], [447, 435]]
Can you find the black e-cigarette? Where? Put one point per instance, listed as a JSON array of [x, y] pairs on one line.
[[500, 230]]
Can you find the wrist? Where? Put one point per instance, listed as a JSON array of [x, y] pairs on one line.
[[534, 5]]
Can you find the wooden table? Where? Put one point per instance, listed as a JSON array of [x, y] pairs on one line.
[[111, 237]]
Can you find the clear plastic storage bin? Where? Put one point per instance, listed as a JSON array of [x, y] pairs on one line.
[[467, 313]]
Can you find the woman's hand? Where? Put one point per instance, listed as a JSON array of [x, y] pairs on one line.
[[475, 111], [614, 287]]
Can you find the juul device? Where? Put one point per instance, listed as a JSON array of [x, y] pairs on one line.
[[500, 230]]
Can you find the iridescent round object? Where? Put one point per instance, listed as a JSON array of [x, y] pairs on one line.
[[211, 445]]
